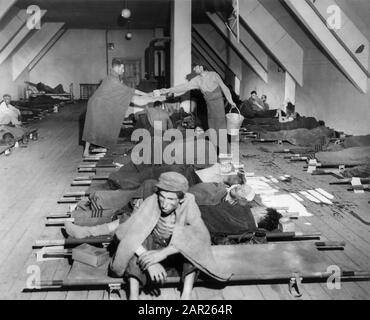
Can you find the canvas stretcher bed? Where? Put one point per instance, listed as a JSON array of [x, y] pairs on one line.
[[30, 134], [249, 264], [66, 97]]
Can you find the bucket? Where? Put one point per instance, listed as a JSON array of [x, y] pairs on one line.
[[234, 122]]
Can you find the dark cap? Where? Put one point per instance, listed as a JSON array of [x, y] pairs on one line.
[[173, 182]]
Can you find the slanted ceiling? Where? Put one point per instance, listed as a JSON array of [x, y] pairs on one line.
[[105, 14]]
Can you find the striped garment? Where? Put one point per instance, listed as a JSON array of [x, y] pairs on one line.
[[165, 225]]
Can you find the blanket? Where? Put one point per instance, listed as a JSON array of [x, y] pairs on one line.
[[131, 176], [190, 236], [273, 124], [106, 111], [350, 156], [319, 136], [358, 171]]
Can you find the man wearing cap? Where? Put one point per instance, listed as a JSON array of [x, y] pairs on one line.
[[166, 228], [107, 108]]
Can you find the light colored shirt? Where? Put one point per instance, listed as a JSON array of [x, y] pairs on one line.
[[9, 114], [165, 226]]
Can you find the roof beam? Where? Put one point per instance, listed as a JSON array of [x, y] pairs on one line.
[[5, 5], [268, 30], [202, 59], [17, 38], [12, 27], [227, 54], [24, 56], [238, 47], [46, 49], [206, 56], [196, 38], [328, 41], [350, 37]]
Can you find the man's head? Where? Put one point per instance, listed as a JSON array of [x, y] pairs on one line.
[[7, 98], [157, 104], [118, 66], [290, 108], [264, 98], [267, 219], [254, 94], [242, 194], [234, 179], [171, 189], [198, 69]]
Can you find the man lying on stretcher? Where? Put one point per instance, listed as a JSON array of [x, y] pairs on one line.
[[224, 209]]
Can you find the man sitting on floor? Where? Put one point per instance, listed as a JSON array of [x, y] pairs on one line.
[[166, 230], [9, 115], [152, 115], [264, 103], [10, 127]]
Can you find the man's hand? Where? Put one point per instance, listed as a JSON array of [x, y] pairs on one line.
[[136, 203], [157, 273], [164, 91], [150, 258]]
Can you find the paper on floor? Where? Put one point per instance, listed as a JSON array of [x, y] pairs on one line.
[[285, 200]]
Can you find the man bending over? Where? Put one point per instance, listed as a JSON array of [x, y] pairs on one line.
[[166, 230]]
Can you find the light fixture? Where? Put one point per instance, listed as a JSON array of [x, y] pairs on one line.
[[126, 12], [128, 36], [360, 49]]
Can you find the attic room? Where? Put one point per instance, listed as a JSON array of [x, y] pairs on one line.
[[185, 149]]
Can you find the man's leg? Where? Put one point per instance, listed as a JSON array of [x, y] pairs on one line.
[[87, 151], [79, 232], [134, 288], [188, 286]]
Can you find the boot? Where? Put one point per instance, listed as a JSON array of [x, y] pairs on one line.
[[80, 232]]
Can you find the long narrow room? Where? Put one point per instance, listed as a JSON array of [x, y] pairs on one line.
[[184, 149]]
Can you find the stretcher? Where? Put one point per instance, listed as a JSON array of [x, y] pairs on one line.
[[104, 240], [271, 141], [31, 134], [348, 181], [67, 95], [285, 263]]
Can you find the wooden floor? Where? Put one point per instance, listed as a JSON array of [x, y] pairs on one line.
[[33, 179]]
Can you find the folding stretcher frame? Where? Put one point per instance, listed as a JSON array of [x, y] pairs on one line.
[[288, 263]]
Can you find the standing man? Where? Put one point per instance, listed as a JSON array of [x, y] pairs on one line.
[[107, 107], [212, 87]]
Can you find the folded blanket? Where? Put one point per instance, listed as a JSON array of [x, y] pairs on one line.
[[350, 156], [273, 124], [358, 172], [357, 141], [319, 136]]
